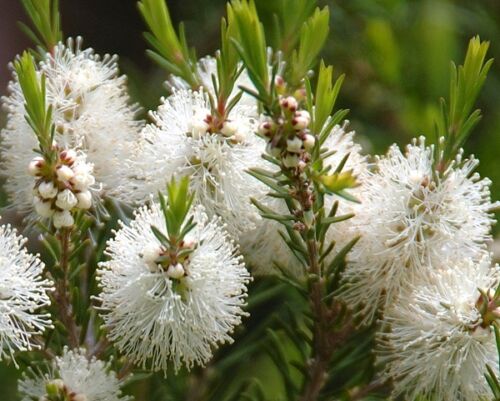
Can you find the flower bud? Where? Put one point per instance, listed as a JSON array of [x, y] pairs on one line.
[[84, 200], [301, 120], [229, 128], [289, 103], [291, 160], [309, 142], [35, 166], [83, 178], [279, 82], [63, 219], [266, 129], [47, 190], [68, 156], [294, 145], [64, 173], [175, 271], [300, 94], [80, 397], [44, 209], [66, 200], [188, 242]]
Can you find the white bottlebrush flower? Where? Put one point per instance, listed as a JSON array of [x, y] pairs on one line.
[[217, 165], [155, 317], [263, 245], [206, 69], [75, 377], [436, 346], [91, 113], [23, 291], [409, 219]]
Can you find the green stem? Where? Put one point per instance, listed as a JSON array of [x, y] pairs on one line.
[[322, 352], [62, 294]]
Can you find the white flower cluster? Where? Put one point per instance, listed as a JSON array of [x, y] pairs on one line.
[[419, 263], [438, 345], [62, 188], [410, 219], [91, 113], [179, 312], [72, 377], [23, 292], [420, 260], [186, 140]]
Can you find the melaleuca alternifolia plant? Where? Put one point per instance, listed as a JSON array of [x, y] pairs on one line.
[[246, 169]]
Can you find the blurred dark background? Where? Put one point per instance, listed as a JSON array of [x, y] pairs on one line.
[[395, 53]]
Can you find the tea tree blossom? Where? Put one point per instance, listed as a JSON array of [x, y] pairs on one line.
[[91, 113], [23, 292], [186, 140], [410, 218], [439, 339], [161, 307], [72, 376]]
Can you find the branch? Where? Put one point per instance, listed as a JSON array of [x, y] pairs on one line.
[[62, 294]]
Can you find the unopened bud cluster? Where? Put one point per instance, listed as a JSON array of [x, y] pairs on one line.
[[62, 187], [288, 136], [208, 124], [283, 89], [173, 263], [290, 141], [56, 390]]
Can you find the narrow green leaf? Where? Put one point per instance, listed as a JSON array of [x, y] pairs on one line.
[[169, 49]]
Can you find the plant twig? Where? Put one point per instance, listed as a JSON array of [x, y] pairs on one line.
[[62, 295]]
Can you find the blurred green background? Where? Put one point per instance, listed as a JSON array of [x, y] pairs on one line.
[[395, 54]]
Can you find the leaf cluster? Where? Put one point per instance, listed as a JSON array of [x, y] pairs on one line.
[[228, 67], [175, 209], [169, 49], [38, 113], [457, 117], [251, 43], [46, 20], [311, 41], [284, 20]]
